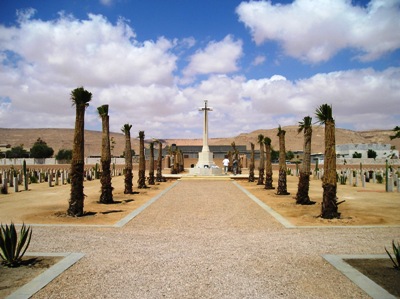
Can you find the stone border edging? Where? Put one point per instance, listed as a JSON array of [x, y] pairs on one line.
[[136, 212], [266, 207], [366, 284], [47, 276]]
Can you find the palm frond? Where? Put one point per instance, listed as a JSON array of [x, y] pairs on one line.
[[80, 96], [260, 138], [304, 124], [267, 141], [324, 113], [102, 110]]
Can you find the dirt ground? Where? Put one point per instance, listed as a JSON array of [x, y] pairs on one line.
[[42, 204], [370, 205]]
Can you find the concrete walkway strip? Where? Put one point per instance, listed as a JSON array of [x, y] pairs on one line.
[[366, 284], [47, 276], [267, 208], [136, 212]]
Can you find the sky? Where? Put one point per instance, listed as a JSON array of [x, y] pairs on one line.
[[259, 64]]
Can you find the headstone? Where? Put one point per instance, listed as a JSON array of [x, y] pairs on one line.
[[62, 178], [363, 180], [50, 179], [5, 185], [15, 184]]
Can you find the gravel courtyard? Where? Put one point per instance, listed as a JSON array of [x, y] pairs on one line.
[[205, 239]]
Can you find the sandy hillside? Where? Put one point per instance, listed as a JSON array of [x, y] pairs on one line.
[[62, 138]]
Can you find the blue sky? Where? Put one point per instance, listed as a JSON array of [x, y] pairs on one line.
[[260, 64]]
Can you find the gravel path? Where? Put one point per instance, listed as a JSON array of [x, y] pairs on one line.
[[205, 239]]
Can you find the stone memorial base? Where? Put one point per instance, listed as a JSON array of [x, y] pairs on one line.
[[205, 165], [205, 171]]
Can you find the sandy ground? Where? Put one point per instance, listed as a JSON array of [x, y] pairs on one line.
[[370, 205], [42, 204]]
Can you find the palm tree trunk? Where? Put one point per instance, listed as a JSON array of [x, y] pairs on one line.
[[151, 165], [261, 166], [268, 168], [329, 208], [282, 187], [302, 196], [159, 177], [128, 162], [76, 201], [251, 168], [106, 196], [142, 163]]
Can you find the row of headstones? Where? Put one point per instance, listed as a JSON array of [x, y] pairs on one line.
[[355, 177], [58, 177]]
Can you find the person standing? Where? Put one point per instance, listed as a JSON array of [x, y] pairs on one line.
[[225, 162]]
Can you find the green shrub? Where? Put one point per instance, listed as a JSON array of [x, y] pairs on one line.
[[342, 179], [379, 178], [396, 251], [12, 248]]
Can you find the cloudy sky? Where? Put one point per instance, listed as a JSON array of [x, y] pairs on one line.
[[259, 64]]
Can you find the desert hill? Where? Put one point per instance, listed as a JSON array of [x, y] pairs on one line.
[[62, 139]]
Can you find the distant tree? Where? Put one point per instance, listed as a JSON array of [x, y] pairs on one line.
[[64, 154], [274, 155], [371, 154], [396, 131], [41, 150], [17, 152], [289, 155], [357, 155]]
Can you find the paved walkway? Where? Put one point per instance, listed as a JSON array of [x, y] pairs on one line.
[[205, 239]]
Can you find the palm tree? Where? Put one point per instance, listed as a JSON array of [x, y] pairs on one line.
[[302, 196], [268, 164], [106, 195], [251, 169], [142, 163], [159, 177], [151, 165], [396, 131], [236, 155], [80, 98], [329, 208], [126, 129], [262, 160], [282, 188]]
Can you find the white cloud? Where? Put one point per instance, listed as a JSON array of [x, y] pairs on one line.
[[217, 58], [314, 31], [106, 2], [42, 61], [259, 60]]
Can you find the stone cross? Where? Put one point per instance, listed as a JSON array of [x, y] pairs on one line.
[[205, 126]]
